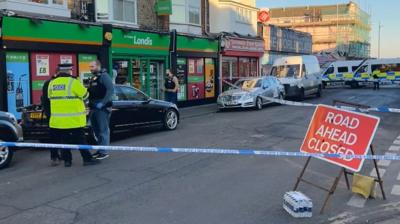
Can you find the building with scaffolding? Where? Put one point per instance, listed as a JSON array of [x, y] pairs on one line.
[[342, 29]]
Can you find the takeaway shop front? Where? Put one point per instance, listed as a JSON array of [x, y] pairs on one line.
[[31, 50], [194, 61], [240, 57], [139, 59]]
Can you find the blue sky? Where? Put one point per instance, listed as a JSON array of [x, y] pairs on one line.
[[385, 11]]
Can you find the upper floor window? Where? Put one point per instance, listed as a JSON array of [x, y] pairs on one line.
[[120, 11], [243, 15], [50, 2], [186, 12]]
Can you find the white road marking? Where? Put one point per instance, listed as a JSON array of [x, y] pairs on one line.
[[398, 137], [394, 148], [357, 201], [396, 142], [386, 162], [381, 172], [398, 177], [396, 190]]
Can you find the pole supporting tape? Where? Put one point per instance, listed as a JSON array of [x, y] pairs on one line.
[[198, 151]]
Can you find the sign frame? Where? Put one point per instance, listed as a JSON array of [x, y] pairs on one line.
[[333, 160]]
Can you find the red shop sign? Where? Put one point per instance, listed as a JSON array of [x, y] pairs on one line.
[[238, 44]]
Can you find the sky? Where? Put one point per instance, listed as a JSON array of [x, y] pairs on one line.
[[385, 11]]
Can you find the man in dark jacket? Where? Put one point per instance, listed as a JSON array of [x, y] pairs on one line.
[[101, 90], [45, 101]]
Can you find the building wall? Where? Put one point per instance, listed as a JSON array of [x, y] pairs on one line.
[[147, 17], [224, 17], [334, 28]]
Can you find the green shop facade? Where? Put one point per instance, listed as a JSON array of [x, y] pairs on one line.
[[31, 49], [194, 61], [140, 59]]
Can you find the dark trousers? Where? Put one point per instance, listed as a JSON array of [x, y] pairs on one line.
[[71, 136], [100, 120], [171, 97], [376, 85]]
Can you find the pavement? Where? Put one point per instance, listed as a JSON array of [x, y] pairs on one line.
[[204, 188]]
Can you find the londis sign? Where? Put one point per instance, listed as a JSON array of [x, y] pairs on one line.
[[337, 131], [137, 42]]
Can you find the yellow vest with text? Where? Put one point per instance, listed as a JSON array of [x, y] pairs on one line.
[[67, 106]]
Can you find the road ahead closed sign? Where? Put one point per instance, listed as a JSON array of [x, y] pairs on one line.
[[337, 131]]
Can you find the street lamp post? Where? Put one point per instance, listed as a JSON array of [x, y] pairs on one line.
[[379, 40]]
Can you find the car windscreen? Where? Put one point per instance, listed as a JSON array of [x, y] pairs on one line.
[[248, 84], [286, 71]]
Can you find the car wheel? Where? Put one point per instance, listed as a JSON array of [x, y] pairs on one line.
[[319, 93], [6, 154], [259, 104], [170, 120]]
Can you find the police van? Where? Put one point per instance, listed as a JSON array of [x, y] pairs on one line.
[[339, 71], [300, 75], [387, 70]]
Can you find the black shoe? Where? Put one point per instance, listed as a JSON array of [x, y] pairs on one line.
[[67, 163], [91, 162], [100, 156]]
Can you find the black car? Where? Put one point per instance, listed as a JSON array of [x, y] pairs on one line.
[[131, 109], [10, 131]]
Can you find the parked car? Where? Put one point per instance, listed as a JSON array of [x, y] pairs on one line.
[[131, 109], [300, 75], [10, 131], [249, 92]]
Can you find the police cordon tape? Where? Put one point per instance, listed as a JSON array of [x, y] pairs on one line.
[[293, 103], [243, 152]]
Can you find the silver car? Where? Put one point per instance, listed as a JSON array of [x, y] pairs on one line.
[[249, 92]]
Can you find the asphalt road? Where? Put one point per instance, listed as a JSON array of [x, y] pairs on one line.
[[193, 188]]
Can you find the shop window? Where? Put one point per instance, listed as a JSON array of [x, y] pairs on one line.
[[244, 67], [254, 67]]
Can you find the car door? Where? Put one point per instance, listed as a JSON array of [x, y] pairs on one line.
[[308, 80], [120, 110], [134, 113], [267, 88]]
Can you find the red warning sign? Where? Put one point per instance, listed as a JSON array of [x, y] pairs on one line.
[[337, 131]]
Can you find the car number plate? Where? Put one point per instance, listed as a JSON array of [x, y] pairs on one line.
[[231, 103], [37, 115]]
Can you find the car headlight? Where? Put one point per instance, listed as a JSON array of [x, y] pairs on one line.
[[11, 117]]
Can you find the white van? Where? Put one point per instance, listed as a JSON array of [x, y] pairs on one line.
[[339, 71], [387, 70], [301, 75]]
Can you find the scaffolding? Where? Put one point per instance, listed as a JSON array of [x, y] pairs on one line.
[[344, 28]]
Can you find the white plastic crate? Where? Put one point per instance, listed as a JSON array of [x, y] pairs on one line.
[[297, 204]]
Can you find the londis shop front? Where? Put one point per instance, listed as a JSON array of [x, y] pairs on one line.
[[140, 59]]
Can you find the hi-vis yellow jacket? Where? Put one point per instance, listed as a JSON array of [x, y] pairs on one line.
[[67, 106]]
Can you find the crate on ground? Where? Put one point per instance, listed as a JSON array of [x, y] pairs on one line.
[[297, 204]]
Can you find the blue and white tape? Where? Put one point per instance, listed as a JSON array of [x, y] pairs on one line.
[[300, 104], [243, 152]]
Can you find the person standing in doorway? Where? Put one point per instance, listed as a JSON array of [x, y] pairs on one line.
[[171, 87], [68, 113], [101, 90]]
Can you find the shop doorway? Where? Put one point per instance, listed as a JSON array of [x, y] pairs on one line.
[[146, 74]]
